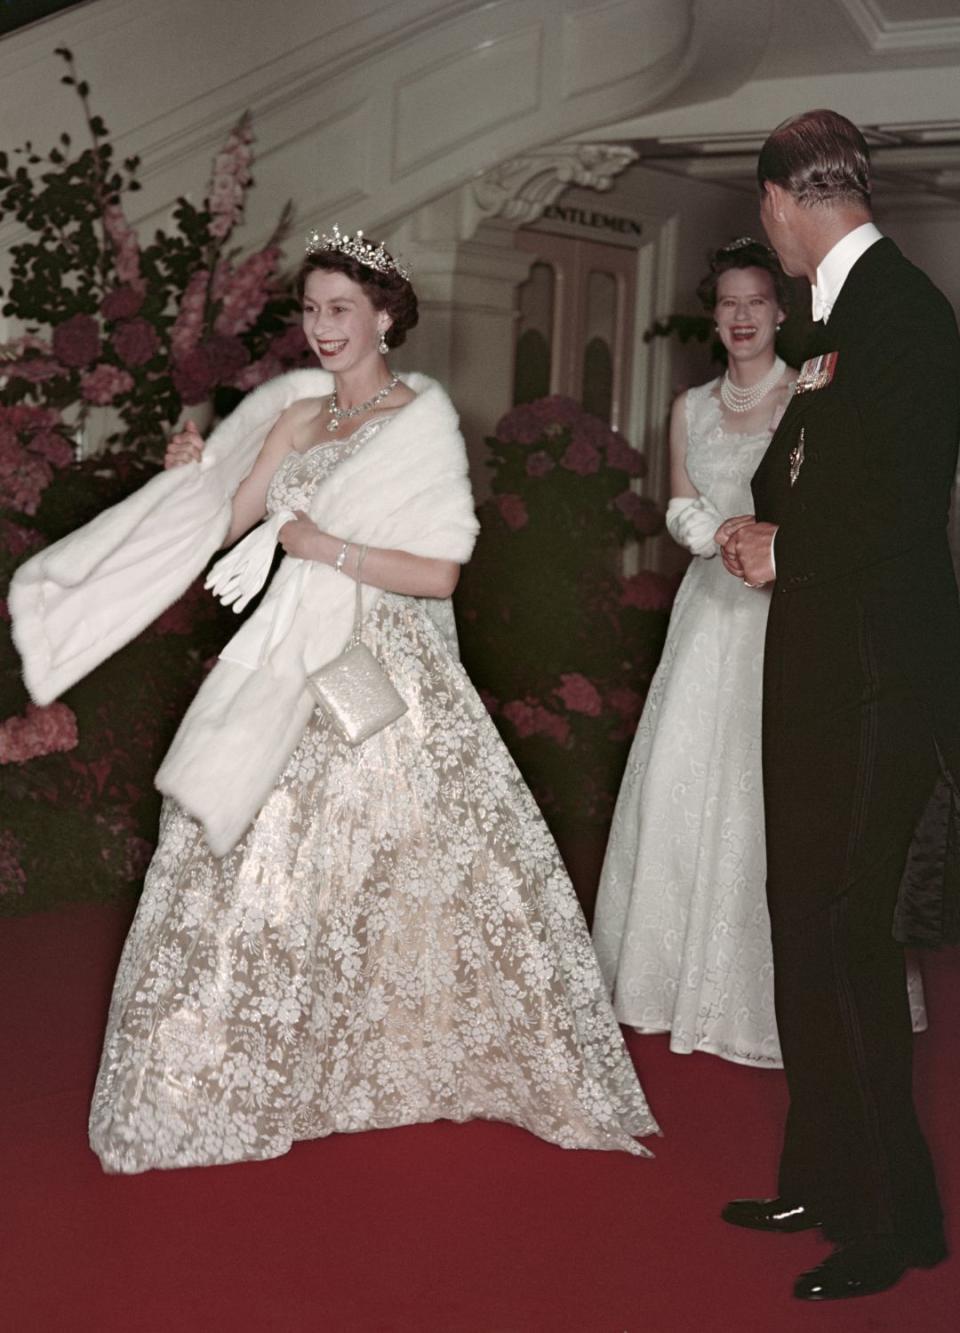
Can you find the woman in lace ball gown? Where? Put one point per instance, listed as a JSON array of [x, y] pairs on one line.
[[681, 927], [394, 939]]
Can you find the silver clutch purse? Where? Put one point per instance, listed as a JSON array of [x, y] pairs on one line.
[[356, 692]]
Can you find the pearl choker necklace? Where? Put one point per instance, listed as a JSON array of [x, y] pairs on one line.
[[338, 413], [736, 399]]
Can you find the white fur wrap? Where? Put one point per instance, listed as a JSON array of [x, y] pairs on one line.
[[81, 599]]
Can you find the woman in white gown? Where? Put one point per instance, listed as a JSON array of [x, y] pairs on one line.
[[681, 927], [394, 939]]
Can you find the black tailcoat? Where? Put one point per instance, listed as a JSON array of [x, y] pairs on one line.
[[861, 735], [862, 682]]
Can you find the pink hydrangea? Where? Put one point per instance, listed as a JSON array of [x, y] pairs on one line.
[[24, 476], [76, 342], [533, 719], [49, 730], [579, 695], [581, 457], [643, 513], [126, 248], [122, 303], [13, 877], [529, 422], [52, 447], [17, 540], [188, 325], [539, 463], [648, 591], [244, 291], [229, 179], [624, 457], [105, 383], [513, 511], [135, 341]]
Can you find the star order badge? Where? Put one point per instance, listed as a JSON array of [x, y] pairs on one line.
[[796, 458], [816, 373]]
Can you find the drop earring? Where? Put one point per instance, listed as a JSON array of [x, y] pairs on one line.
[[383, 347]]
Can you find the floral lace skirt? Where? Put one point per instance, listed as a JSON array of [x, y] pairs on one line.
[[394, 940]]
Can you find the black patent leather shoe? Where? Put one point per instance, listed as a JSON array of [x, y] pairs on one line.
[[784, 1215], [865, 1266]]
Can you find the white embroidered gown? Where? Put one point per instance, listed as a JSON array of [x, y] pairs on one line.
[[681, 927], [394, 940]]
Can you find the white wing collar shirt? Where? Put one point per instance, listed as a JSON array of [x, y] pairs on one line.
[[834, 268]]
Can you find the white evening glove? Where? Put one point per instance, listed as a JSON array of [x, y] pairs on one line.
[[239, 576], [692, 523]]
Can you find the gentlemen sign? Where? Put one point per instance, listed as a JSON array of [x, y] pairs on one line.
[[580, 219]]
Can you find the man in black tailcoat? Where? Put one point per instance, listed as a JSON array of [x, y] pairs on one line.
[[861, 711]]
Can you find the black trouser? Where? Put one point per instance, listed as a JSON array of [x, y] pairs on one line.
[[853, 1148]]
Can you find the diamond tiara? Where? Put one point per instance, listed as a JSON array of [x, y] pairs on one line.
[[364, 252]]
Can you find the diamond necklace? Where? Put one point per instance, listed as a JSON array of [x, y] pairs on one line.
[[736, 399], [338, 413]]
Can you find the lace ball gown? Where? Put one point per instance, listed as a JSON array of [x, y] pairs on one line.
[[681, 927], [394, 940]]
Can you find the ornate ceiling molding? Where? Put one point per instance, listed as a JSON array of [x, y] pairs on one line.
[[885, 35], [520, 189]]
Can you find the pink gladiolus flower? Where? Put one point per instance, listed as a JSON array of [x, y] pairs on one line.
[[539, 463], [126, 248], [105, 383], [34, 369], [121, 303], [579, 695], [246, 291], [581, 457], [76, 342], [188, 326], [258, 372], [641, 512], [229, 180], [49, 730], [513, 511], [135, 341]]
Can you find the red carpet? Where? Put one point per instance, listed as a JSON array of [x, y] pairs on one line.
[[437, 1228]]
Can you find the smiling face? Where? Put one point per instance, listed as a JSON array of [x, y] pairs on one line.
[[340, 322], [747, 313]]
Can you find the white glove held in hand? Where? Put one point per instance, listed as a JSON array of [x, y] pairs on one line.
[[239, 576], [692, 523]]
